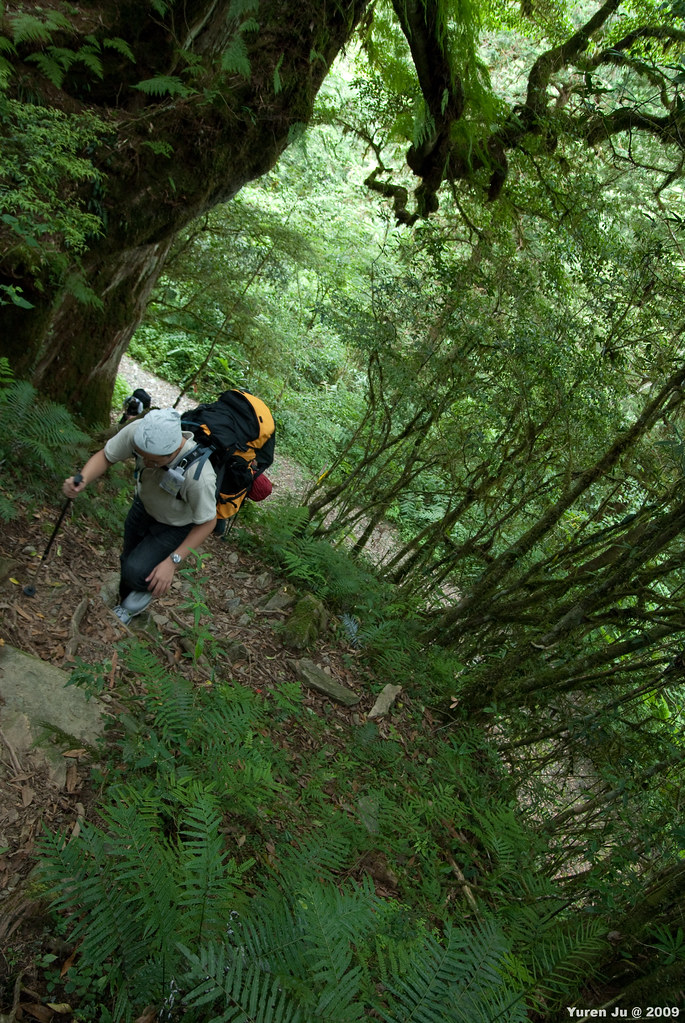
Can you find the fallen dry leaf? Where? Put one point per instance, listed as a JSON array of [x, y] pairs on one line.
[[68, 963], [71, 783], [39, 1012]]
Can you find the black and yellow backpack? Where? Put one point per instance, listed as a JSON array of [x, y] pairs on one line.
[[237, 434]]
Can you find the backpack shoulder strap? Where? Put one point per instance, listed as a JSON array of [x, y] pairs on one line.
[[197, 457], [200, 460]]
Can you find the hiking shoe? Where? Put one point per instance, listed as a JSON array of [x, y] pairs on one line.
[[135, 602], [122, 614], [132, 605]]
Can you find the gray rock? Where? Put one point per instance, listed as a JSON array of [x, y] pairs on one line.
[[368, 810], [234, 651], [36, 704], [109, 589], [315, 678], [282, 599], [385, 701]]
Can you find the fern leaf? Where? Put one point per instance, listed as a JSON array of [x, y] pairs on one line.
[[234, 59], [559, 959], [76, 286], [87, 56], [26, 28], [121, 46], [459, 980], [208, 884], [42, 432], [163, 85], [53, 69], [246, 992]]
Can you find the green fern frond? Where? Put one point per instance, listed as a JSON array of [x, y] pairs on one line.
[[8, 509], [50, 66], [6, 72], [26, 28], [234, 59], [7, 46], [82, 880], [76, 284], [89, 58], [176, 709], [298, 562], [161, 6], [297, 945], [459, 980], [208, 882], [247, 992], [311, 857], [130, 893], [37, 435], [238, 9], [163, 85], [121, 46], [231, 715], [159, 147], [559, 957]]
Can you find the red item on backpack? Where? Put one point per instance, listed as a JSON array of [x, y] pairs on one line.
[[260, 489]]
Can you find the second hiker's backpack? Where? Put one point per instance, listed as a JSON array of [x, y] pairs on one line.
[[237, 434]]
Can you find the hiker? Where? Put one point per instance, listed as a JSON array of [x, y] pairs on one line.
[[171, 513], [136, 403]]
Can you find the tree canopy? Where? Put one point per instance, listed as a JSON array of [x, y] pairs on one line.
[[175, 108]]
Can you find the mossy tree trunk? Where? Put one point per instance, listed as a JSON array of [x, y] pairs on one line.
[[256, 69]]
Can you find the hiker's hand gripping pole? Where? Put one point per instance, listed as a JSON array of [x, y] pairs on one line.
[[72, 487], [95, 467]]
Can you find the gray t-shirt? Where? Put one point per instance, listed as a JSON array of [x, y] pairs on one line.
[[197, 502]]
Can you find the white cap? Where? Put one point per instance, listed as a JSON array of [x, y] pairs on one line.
[[159, 433]]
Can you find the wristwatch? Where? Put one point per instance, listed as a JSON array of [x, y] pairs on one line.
[[176, 558]]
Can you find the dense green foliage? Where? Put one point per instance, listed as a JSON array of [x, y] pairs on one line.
[[172, 905], [45, 221]]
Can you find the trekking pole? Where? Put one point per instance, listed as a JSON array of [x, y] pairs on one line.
[[30, 590]]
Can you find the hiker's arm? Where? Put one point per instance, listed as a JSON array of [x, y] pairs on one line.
[[162, 575], [96, 466]]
